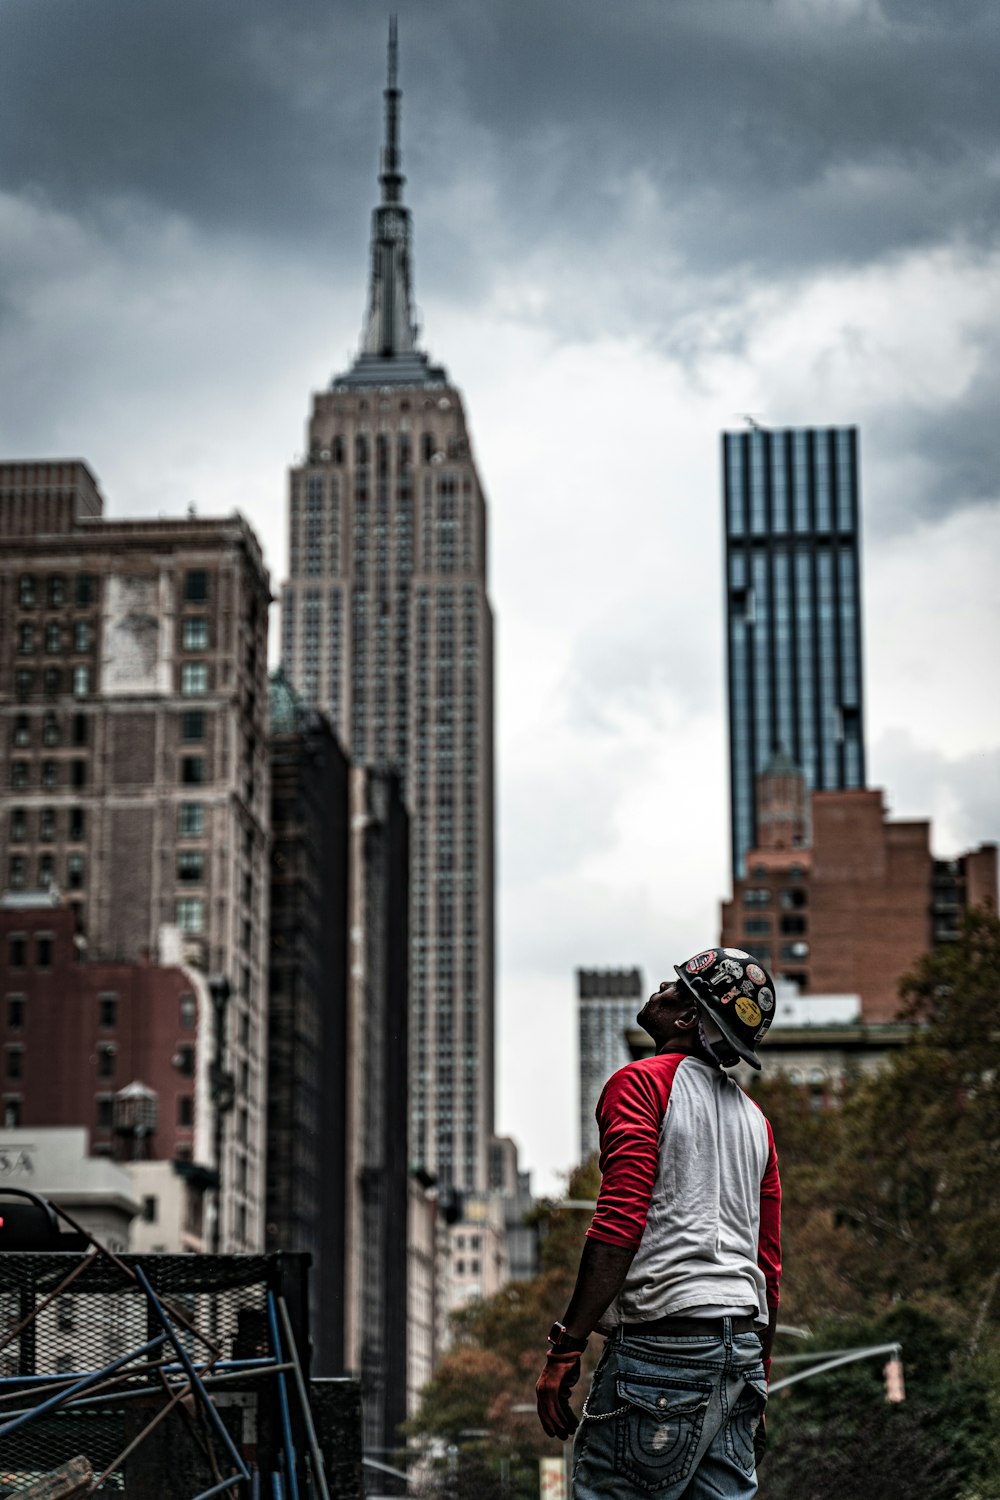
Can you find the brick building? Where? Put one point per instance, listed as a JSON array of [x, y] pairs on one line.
[[122, 1050], [133, 751], [848, 904]]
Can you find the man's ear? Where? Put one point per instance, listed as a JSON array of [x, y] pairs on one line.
[[689, 1020]]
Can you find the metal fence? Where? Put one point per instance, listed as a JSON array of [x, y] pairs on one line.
[[173, 1376]]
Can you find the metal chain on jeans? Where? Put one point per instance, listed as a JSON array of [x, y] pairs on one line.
[[600, 1416]]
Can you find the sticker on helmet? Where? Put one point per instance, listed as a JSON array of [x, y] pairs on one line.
[[756, 973], [761, 1034], [701, 961], [765, 999], [729, 970], [748, 1010], [729, 996]]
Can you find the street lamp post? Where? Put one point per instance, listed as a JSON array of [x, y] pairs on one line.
[[223, 1089]]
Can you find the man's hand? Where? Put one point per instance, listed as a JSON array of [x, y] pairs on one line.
[[552, 1393]]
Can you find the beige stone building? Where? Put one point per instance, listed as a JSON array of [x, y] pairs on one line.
[[387, 627], [133, 735]]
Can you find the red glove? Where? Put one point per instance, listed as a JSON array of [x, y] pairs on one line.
[[552, 1393]]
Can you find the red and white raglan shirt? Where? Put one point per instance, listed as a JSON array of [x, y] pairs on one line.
[[690, 1182]]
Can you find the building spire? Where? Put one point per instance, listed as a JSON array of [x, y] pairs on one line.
[[390, 327], [391, 177], [389, 354]]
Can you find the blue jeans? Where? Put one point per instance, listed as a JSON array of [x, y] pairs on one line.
[[672, 1417]]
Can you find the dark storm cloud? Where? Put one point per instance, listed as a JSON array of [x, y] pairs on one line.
[[774, 135]]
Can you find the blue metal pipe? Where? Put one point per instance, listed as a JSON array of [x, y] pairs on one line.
[[83, 1384], [217, 1489], [194, 1377], [286, 1416], [171, 1369]]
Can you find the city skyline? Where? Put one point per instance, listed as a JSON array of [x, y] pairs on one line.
[[642, 232]]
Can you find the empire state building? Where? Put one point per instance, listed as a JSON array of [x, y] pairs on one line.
[[387, 628]]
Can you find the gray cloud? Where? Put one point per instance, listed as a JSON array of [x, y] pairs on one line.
[[773, 136]]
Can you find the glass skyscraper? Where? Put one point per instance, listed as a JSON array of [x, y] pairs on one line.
[[793, 612]]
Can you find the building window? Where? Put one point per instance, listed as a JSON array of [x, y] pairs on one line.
[[46, 871], [104, 1110], [57, 591], [25, 638], [47, 825], [149, 1207], [194, 636], [43, 950], [184, 1059], [24, 682], [191, 914], [106, 1060], [17, 950], [18, 825], [196, 587], [79, 729], [81, 635], [192, 770], [193, 724], [185, 1109], [190, 866], [77, 824], [15, 1012], [107, 1012], [50, 773], [74, 871], [84, 588], [15, 1062], [78, 773], [17, 875], [81, 682], [26, 591], [19, 773], [757, 925], [191, 820], [53, 637], [11, 1113], [22, 731], [52, 681], [756, 896], [188, 1012], [50, 729], [194, 679]]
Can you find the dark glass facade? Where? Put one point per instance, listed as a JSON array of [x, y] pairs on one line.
[[793, 612]]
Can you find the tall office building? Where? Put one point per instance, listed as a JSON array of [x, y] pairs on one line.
[[386, 626], [133, 756], [793, 613], [608, 1000]]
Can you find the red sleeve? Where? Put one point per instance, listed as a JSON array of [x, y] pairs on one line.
[[769, 1236], [630, 1116]]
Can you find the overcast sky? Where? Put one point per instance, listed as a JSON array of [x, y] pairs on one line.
[[633, 223]]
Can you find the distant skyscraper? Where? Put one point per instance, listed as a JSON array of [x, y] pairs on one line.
[[609, 1000], [386, 626], [793, 613]]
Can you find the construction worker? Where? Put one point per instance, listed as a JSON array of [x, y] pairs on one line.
[[682, 1260]]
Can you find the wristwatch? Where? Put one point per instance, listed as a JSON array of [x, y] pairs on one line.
[[561, 1342]]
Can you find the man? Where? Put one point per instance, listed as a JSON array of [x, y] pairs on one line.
[[682, 1260]]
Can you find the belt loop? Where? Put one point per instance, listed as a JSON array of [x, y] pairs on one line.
[[727, 1335]]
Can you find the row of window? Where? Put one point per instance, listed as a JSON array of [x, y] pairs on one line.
[[53, 681], [50, 774], [17, 872], [51, 730], [57, 590], [48, 824], [56, 637]]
